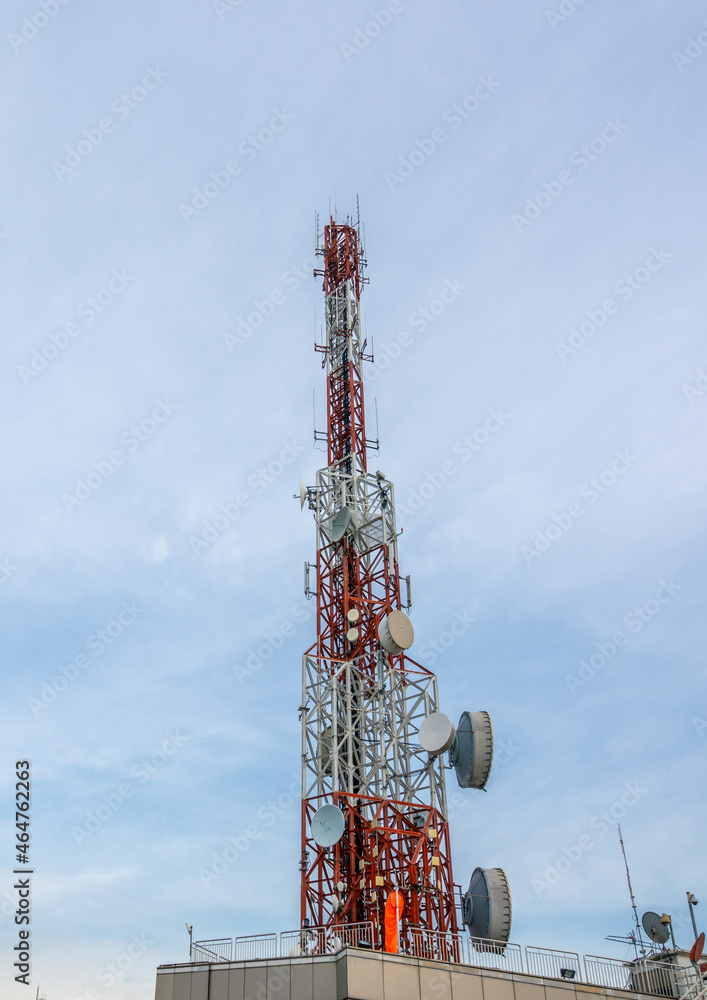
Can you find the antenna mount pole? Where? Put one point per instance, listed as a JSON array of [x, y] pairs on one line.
[[633, 901]]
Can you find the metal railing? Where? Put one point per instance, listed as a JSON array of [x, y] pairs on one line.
[[353, 935], [552, 963], [304, 941], [255, 946], [610, 972], [645, 975], [488, 954], [663, 978], [326, 941], [216, 950], [697, 991], [438, 946]]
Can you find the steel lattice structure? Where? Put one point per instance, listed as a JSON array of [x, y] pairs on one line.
[[361, 706]]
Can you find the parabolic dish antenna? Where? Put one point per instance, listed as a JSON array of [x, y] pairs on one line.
[[654, 929], [327, 825], [340, 524], [487, 906], [396, 633], [302, 494], [436, 733], [472, 750], [697, 948]]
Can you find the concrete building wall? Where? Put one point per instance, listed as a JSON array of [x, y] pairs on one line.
[[357, 975]]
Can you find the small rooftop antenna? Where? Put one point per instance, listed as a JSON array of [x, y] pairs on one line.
[[629, 938], [633, 901], [190, 928]]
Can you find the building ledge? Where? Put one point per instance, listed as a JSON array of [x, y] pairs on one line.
[[358, 974]]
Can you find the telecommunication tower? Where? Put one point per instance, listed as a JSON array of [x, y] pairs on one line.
[[374, 808]]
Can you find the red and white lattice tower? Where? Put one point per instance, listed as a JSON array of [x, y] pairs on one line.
[[364, 699]]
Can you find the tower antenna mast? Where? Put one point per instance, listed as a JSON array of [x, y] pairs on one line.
[[376, 860], [633, 901]]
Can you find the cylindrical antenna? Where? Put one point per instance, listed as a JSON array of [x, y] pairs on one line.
[[633, 901]]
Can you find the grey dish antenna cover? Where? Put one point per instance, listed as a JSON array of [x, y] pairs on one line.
[[655, 930], [486, 906], [340, 524], [437, 733], [328, 825], [472, 750]]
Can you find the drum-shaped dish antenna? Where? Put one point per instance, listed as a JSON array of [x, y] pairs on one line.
[[396, 633], [472, 751], [486, 905]]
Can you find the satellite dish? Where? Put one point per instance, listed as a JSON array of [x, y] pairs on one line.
[[340, 524], [472, 750], [437, 733], [697, 948], [302, 494], [396, 633], [654, 929], [486, 905], [327, 825]]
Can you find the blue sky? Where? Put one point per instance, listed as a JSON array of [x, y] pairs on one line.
[[162, 169]]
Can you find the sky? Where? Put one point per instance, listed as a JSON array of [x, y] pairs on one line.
[[530, 178]]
